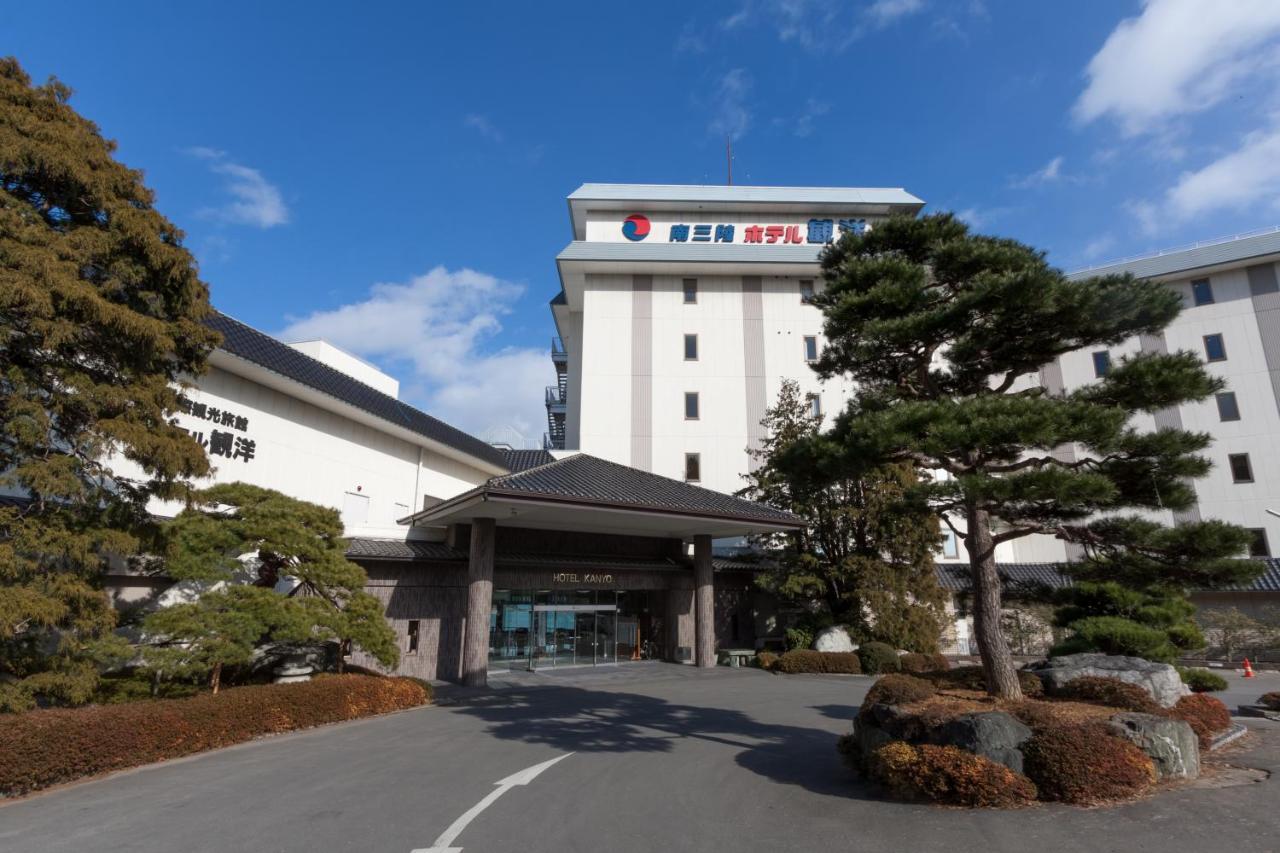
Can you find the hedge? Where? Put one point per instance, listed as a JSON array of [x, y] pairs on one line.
[[807, 660], [47, 747], [896, 689], [1084, 763], [947, 774], [878, 658], [1111, 692], [1270, 700], [917, 662], [972, 678], [1206, 715], [1202, 680]]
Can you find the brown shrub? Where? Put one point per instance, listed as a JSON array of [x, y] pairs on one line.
[[1084, 763], [946, 774], [1270, 700], [972, 678], [47, 747], [807, 660], [1110, 692], [766, 660], [896, 689], [1206, 715], [916, 662]]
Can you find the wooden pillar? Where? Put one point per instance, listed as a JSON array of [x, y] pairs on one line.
[[704, 603], [475, 647]]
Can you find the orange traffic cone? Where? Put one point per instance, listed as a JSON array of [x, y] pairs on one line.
[[1248, 670]]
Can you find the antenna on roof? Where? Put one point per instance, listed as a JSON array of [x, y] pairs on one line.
[[728, 154]]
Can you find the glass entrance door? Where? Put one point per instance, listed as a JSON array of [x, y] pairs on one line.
[[573, 635], [585, 642]]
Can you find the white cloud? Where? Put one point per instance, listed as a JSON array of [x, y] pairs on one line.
[[1248, 177], [1178, 57], [1098, 247], [483, 126], [439, 327], [731, 117], [689, 40], [882, 13], [1049, 174], [255, 200]]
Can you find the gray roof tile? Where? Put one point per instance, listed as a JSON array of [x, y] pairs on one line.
[[954, 577], [523, 460], [265, 351], [400, 549], [589, 478]]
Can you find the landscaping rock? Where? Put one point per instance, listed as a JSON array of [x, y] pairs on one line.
[[1159, 679], [1171, 744], [834, 639], [991, 734], [869, 738]]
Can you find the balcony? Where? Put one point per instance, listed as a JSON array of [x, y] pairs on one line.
[[559, 356], [557, 399]]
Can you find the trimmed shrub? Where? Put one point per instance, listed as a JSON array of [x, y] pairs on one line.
[[1270, 700], [1206, 715], [972, 678], [898, 689], [1111, 692], [1201, 680], [766, 660], [47, 747], [946, 774], [806, 660], [1114, 635], [916, 662], [878, 658], [1085, 764]]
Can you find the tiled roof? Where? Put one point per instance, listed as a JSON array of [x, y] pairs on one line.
[[523, 460], [400, 549], [265, 351], [590, 479], [954, 577]]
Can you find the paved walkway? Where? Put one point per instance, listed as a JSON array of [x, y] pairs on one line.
[[659, 759]]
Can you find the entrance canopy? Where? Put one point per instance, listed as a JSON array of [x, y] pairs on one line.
[[588, 494]]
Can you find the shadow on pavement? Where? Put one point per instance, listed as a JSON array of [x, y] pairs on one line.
[[582, 720]]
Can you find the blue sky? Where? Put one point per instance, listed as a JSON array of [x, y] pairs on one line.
[[392, 176]]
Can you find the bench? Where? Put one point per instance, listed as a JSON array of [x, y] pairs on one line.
[[736, 657]]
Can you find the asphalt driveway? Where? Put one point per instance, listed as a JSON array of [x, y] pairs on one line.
[[659, 758]]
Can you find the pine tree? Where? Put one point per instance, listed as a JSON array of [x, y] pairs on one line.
[[236, 528], [100, 318], [864, 554], [943, 332]]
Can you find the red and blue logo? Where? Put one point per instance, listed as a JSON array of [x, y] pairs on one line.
[[635, 227]]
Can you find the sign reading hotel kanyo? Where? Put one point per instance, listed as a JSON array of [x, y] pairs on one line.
[[637, 227], [575, 578], [220, 442]]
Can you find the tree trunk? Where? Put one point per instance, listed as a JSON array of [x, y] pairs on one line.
[[997, 661], [215, 680]]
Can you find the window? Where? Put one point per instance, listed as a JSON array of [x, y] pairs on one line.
[[1241, 470], [1259, 546], [690, 405], [815, 404], [690, 291], [692, 467], [1101, 363], [1228, 409], [1214, 348], [810, 348], [950, 548], [690, 347], [806, 290], [413, 636], [1202, 292]]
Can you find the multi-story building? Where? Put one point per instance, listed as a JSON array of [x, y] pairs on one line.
[[683, 308]]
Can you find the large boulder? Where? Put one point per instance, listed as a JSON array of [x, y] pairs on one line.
[[1171, 744], [991, 734], [834, 639], [1159, 679]]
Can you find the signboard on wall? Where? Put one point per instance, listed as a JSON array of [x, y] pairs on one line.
[[817, 230], [221, 432]]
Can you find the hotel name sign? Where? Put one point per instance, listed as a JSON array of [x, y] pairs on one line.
[[818, 230], [587, 577]]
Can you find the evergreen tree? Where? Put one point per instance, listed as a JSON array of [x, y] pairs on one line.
[[236, 528], [100, 318], [943, 332], [866, 556]]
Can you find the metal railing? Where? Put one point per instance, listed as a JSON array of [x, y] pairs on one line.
[[1200, 244], [556, 396]]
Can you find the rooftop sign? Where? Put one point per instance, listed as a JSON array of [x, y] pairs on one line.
[[638, 227]]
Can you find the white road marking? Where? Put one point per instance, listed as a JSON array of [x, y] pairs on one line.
[[524, 777]]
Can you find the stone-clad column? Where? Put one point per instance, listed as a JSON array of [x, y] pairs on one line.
[[475, 647], [704, 603]]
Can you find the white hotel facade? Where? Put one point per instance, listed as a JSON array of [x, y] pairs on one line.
[[683, 308]]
